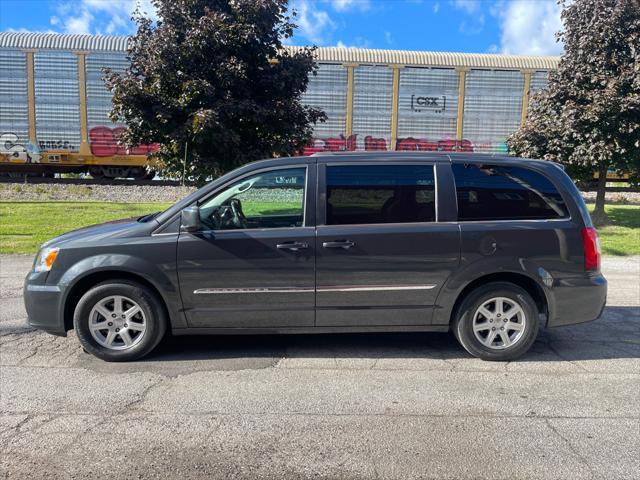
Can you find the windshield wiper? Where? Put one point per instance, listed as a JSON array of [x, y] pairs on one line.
[[146, 218]]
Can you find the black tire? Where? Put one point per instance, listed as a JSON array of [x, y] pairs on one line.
[[138, 173], [97, 173], [152, 309], [463, 322]]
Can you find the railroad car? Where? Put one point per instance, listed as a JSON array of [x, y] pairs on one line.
[[55, 106]]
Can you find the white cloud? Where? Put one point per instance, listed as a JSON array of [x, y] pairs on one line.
[[344, 5], [472, 26], [26, 30], [78, 24], [360, 42], [100, 16], [313, 23], [388, 38], [474, 20], [436, 7], [529, 28], [469, 6]]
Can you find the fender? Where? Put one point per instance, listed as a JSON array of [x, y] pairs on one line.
[[470, 272], [164, 281]]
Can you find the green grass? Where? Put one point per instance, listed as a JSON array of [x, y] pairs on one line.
[[622, 236], [253, 209], [26, 225]]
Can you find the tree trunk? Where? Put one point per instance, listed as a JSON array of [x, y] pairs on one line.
[[599, 216]]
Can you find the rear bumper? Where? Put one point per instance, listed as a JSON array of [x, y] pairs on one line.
[[42, 303], [578, 300]]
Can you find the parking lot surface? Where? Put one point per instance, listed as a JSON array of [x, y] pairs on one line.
[[368, 406]]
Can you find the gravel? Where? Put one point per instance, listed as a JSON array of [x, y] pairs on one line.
[[86, 193], [622, 198], [151, 193]]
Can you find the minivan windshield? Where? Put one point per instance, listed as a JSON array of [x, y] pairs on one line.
[[193, 196]]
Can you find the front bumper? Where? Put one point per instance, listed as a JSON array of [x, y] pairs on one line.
[[43, 303], [578, 300]]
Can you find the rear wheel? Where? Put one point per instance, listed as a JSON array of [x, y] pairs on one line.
[[138, 173], [498, 321], [119, 321]]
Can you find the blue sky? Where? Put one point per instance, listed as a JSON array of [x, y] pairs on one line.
[[484, 26]]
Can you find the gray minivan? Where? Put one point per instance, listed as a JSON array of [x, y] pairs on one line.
[[490, 247]]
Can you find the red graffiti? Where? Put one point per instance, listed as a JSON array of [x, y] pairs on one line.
[[416, 144], [340, 144], [374, 144], [424, 145], [349, 144], [104, 143]]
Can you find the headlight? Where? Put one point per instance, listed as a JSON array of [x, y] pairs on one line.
[[45, 259]]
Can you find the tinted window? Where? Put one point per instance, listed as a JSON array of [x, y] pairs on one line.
[[493, 192], [270, 199], [364, 194]]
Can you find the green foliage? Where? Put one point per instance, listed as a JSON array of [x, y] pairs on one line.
[[212, 75], [588, 118]]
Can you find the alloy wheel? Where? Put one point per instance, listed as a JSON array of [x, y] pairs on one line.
[[117, 322], [499, 323]]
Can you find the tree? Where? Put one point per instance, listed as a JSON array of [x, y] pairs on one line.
[[212, 77], [588, 117]]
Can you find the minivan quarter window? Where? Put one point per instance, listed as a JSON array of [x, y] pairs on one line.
[[503, 192], [370, 194], [269, 199]]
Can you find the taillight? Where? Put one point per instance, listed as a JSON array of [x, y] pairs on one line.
[[591, 246]]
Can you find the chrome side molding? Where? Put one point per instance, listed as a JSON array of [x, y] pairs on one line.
[[207, 291], [332, 288], [373, 288]]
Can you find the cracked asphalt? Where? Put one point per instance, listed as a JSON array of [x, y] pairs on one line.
[[397, 406]]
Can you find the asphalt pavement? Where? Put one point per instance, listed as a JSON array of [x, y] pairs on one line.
[[368, 406]]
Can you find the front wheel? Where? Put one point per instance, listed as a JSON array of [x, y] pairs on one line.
[[119, 321], [498, 321]]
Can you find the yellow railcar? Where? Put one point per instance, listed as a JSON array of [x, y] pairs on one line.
[[54, 114]]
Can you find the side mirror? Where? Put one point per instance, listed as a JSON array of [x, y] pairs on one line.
[[190, 220]]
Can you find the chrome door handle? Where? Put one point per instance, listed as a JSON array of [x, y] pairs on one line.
[[293, 246], [344, 244]]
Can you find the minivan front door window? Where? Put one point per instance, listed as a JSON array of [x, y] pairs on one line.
[[271, 199]]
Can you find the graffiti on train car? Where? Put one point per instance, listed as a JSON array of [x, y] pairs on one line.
[[350, 144], [331, 144], [429, 104], [424, 145], [372, 144], [11, 150], [105, 143], [57, 145]]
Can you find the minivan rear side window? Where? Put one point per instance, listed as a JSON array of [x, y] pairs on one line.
[[501, 192], [366, 194]]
